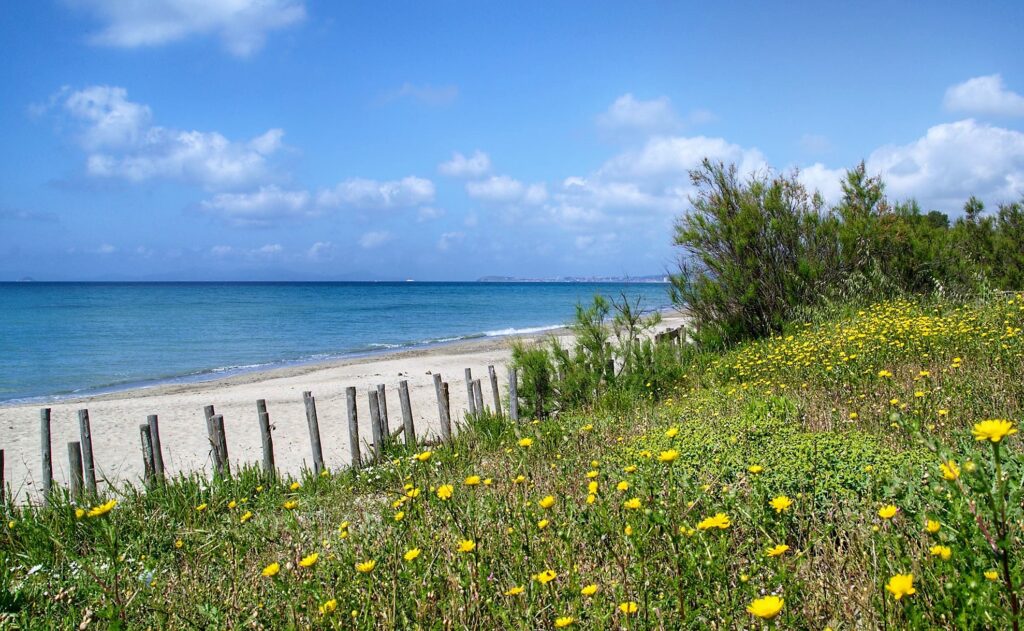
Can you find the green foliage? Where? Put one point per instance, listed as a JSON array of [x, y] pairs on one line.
[[756, 252], [612, 358]]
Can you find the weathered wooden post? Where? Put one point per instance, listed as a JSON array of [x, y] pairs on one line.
[[148, 461], [382, 402], [353, 427], [220, 446], [440, 403], [208, 413], [75, 462], [478, 398], [266, 439], [469, 392], [403, 397], [90, 468], [513, 394], [378, 438], [314, 432], [446, 424], [47, 452], [494, 390], [3, 483], [158, 454]]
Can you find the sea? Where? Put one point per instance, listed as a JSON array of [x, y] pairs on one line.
[[60, 340]]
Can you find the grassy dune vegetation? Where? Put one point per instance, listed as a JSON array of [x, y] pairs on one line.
[[860, 468]]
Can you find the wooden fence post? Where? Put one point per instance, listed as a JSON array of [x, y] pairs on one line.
[[494, 390], [75, 462], [208, 413], [513, 394], [440, 402], [3, 484], [266, 439], [403, 397], [314, 432], [220, 446], [87, 461], [378, 438], [446, 422], [148, 461], [382, 402], [353, 427], [478, 398], [469, 392], [158, 453], [47, 452]]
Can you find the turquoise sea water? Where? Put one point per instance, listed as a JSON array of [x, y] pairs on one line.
[[61, 339]]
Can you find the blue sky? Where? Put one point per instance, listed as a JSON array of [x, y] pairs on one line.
[[208, 139]]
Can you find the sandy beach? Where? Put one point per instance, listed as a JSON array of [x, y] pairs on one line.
[[115, 417]]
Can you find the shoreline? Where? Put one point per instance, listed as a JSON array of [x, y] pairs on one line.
[[115, 416]]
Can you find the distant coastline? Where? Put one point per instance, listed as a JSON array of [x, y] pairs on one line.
[[658, 278]]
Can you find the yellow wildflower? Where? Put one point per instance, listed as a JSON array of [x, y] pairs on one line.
[[472, 480], [310, 560], [901, 585], [295, 486], [545, 577], [246, 517], [781, 503], [291, 504], [766, 608], [467, 545], [632, 504], [102, 509], [887, 512], [525, 442], [515, 591], [328, 607], [423, 456], [943, 552], [444, 492], [546, 502], [272, 569], [992, 575], [589, 590], [542, 524], [79, 513], [720, 521], [563, 621], [668, 456], [932, 526], [755, 469], [628, 608], [672, 432], [778, 550], [400, 515], [411, 554], [993, 430], [366, 566], [950, 470]]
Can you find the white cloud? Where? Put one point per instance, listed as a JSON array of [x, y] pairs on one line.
[[271, 249], [675, 156], [941, 169], [628, 114], [374, 239], [321, 250], [506, 190], [449, 239], [112, 120], [435, 96], [121, 143], [428, 213], [260, 207], [477, 165], [984, 95], [241, 25], [381, 195]]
